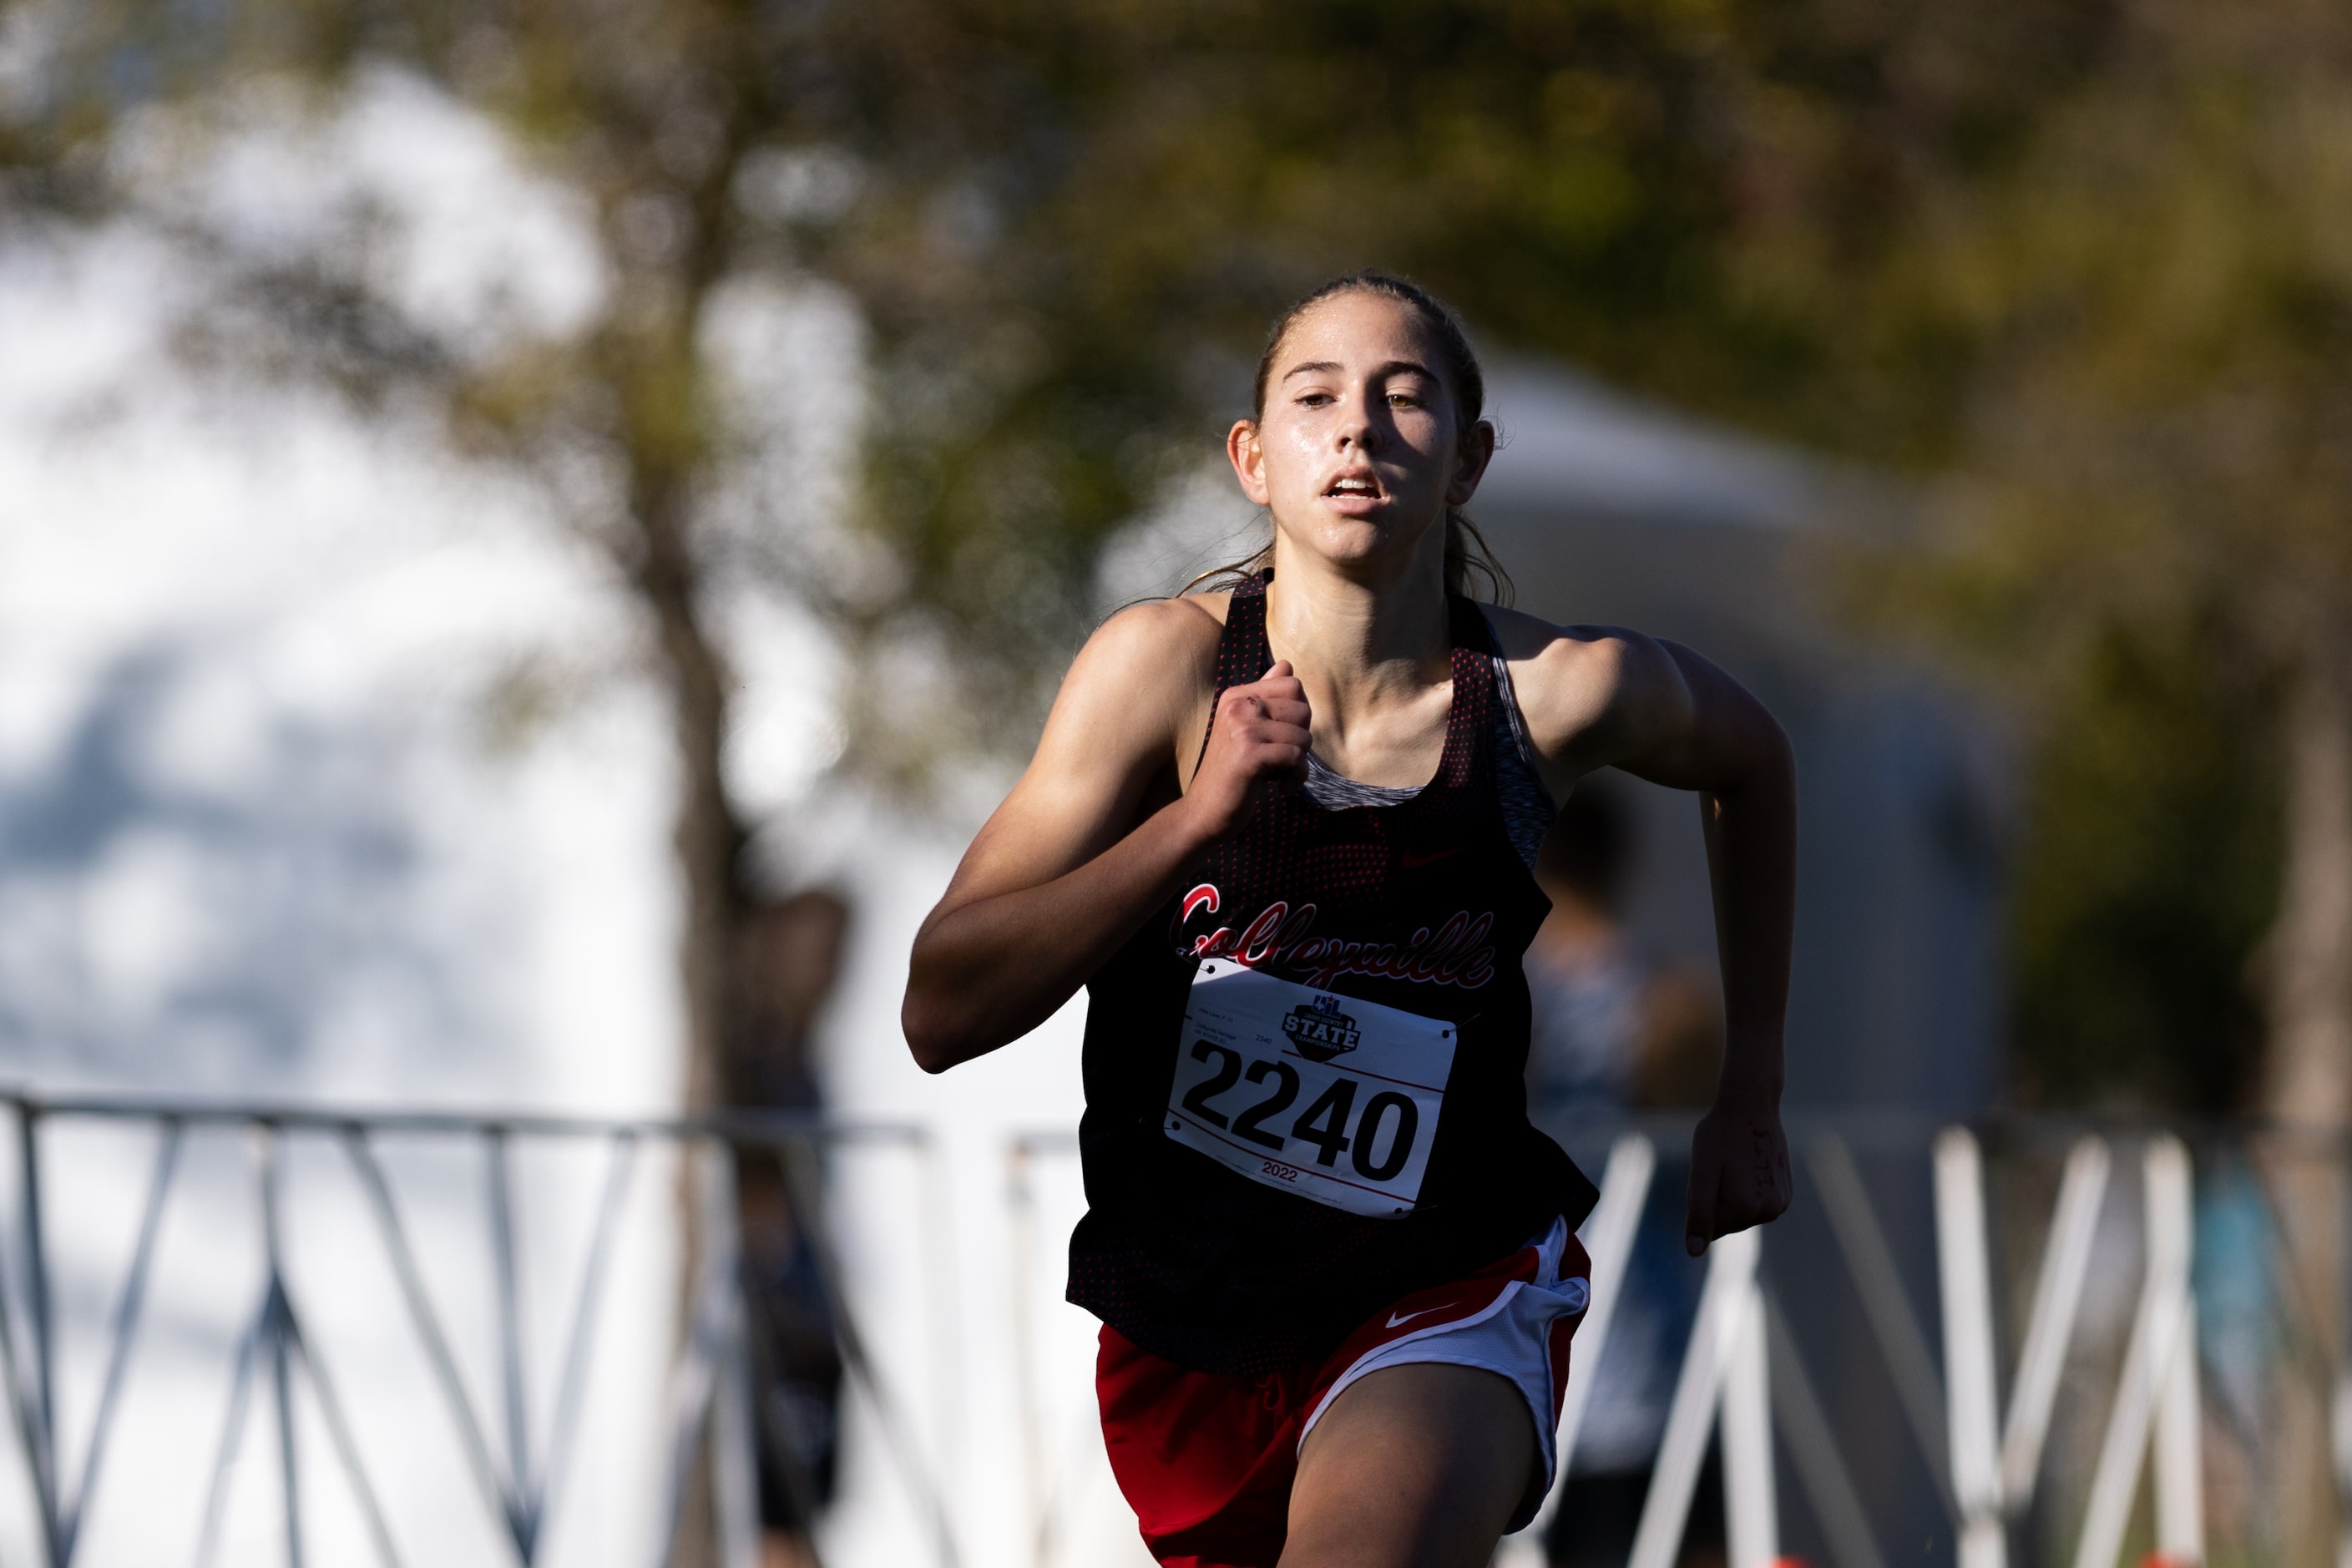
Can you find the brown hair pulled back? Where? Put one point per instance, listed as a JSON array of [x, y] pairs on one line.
[[1470, 564]]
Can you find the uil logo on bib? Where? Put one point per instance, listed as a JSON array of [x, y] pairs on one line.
[[1320, 1031], [1277, 1083]]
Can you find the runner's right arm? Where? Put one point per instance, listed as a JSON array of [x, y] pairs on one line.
[[1064, 870]]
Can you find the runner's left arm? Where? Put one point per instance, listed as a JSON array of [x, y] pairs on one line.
[[1607, 698]]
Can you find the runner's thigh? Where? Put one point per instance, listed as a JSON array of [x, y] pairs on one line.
[[1413, 1467]]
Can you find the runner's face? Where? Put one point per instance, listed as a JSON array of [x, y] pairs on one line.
[[1359, 450]]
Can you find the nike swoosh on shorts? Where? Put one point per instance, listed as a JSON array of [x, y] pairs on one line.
[[1394, 1320]]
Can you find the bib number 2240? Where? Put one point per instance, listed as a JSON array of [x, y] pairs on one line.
[[1325, 1096]]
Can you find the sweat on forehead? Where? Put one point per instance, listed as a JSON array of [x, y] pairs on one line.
[[1457, 363]]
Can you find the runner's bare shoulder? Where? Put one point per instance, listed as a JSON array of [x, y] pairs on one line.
[[1144, 681], [1576, 683]]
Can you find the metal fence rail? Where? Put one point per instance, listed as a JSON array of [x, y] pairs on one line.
[[520, 1478], [1741, 1370], [1981, 1389], [1987, 1452], [1964, 1273]]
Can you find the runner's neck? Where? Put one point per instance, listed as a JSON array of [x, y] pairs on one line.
[[1374, 660]]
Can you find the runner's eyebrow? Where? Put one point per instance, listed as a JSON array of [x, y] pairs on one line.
[[1333, 367]]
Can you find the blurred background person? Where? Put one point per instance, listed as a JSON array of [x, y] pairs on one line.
[[1618, 1030], [791, 960]]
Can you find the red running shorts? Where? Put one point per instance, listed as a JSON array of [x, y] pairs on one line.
[[1206, 1460]]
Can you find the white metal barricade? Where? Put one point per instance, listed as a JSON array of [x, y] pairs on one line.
[[1740, 1374], [512, 1447], [1742, 1383]]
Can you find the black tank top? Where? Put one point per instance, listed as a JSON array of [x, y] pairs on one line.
[[1423, 907]]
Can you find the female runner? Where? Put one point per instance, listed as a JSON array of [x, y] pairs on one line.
[[1282, 833]]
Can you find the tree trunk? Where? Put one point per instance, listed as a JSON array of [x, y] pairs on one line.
[[2310, 1067], [666, 440], [707, 837], [708, 834], [2308, 1079]]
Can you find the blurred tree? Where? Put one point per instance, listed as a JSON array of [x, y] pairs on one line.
[[2162, 419], [2130, 981], [654, 118], [1079, 218], [2163, 410], [651, 122]]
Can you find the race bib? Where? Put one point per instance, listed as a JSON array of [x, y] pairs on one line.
[[1322, 1095]]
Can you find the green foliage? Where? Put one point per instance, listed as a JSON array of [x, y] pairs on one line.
[[1076, 219], [2146, 875], [2156, 545], [1066, 224]]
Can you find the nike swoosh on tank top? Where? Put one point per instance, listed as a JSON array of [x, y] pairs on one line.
[[1304, 1074]]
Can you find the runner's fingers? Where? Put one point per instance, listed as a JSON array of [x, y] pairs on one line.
[[1751, 1195], [1275, 757], [1777, 1187], [1706, 1192], [1259, 732], [1277, 681], [1287, 710], [1284, 710], [1760, 1181]]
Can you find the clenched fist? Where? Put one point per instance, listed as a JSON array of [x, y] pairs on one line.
[[1258, 739], [1739, 1171]]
